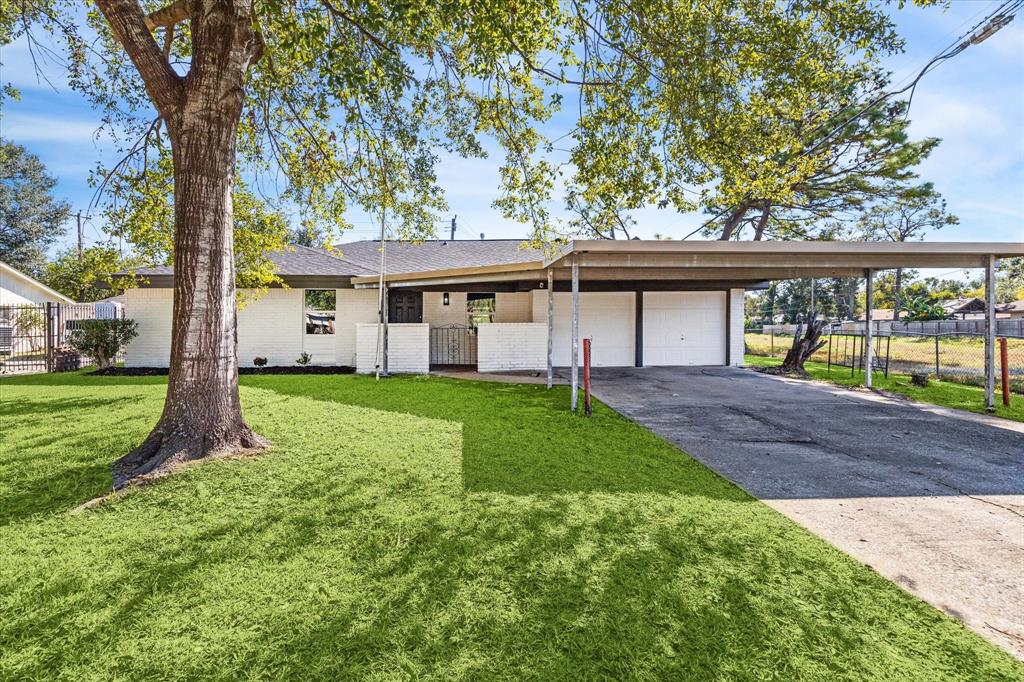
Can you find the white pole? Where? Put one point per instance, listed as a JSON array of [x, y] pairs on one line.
[[990, 333], [869, 351], [551, 323], [575, 330], [382, 314]]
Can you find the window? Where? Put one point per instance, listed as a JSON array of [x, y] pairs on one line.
[[320, 310], [479, 308]]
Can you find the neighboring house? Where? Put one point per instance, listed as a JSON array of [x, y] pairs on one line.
[[964, 308], [878, 314], [485, 303], [17, 288], [1014, 310]]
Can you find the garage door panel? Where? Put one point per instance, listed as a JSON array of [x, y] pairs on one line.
[[606, 317], [684, 328]]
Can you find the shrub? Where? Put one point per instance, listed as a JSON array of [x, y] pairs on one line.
[[103, 339], [304, 359], [259, 362]]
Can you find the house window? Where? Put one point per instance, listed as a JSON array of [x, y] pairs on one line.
[[320, 306], [479, 308]]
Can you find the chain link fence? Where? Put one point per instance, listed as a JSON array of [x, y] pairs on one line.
[[955, 357]]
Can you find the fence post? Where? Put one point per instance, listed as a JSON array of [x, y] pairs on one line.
[[586, 377], [1004, 361], [938, 377], [49, 336]]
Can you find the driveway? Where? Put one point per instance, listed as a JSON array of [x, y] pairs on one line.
[[932, 499]]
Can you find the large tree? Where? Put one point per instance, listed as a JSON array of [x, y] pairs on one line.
[[904, 215], [31, 218], [323, 105]]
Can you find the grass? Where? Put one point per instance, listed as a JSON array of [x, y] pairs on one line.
[[961, 358], [943, 393], [423, 528]]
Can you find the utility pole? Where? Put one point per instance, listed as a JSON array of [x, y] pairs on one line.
[[453, 227], [79, 217]]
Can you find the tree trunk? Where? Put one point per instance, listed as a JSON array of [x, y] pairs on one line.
[[762, 222], [804, 346], [729, 228], [897, 299], [202, 413]]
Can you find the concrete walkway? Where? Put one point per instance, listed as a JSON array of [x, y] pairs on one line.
[[932, 499]]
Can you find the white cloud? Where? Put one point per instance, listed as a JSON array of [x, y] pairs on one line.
[[32, 127]]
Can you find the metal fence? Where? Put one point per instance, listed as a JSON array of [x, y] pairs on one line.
[[952, 357], [33, 337], [453, 344]]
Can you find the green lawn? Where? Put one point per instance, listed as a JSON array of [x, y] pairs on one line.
[[944, 393], [423, 528]]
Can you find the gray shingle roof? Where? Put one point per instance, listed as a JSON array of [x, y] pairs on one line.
[[439, 254], [303, 260]]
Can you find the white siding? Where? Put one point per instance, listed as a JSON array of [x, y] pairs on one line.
[[514, 307], [355, 306], [607, 317], [736, 298], [512, 346], [408, 348], [17, 288]]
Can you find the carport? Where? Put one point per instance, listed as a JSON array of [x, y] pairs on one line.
[[658, 265]]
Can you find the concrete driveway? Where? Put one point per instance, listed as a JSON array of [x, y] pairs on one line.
[[932, 499]]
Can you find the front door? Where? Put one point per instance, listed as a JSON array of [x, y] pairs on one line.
[[405, 306]]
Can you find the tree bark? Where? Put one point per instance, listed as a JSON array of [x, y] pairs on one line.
[[202, 413], [897, 299], [804, 346], [729, 228], [762, 222]]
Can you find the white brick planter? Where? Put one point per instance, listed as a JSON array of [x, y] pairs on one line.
[[512, 346], [408, 348]]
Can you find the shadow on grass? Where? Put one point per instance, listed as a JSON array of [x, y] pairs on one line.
[[55, 453], [520, 439]]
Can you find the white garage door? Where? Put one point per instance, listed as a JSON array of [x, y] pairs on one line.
[[684, 328], [605, 317]]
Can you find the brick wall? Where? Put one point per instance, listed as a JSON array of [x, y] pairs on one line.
[[355, 306], [512, 346], [271, 325], [514, 307], [736, 327], [435, 313], [408, 348], [151, 308]]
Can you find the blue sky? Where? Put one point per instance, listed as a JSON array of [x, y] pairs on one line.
[[974, 102]]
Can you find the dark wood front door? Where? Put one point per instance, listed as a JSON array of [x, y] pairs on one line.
[[405, 306]]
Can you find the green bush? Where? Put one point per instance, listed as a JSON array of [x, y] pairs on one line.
[[103, 339]]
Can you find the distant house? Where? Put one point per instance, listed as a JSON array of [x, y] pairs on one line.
[[878, 314], [17, 288], [1014, 311], [964, 308]]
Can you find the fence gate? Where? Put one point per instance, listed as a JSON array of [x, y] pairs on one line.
[[453, 344], [32, 335]]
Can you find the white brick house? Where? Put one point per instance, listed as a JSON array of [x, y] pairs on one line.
[[493, 318]]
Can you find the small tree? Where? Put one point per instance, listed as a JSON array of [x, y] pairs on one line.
[[103, 339], [89, 276]]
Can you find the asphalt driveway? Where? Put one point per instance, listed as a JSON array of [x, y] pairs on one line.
[[933, 499]]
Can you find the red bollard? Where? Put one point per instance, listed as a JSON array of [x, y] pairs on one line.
[[1004, 360], [586, 377]]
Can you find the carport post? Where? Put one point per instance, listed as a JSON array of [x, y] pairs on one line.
[[575, 331], [869, 299], [990, 333], [551, 321]]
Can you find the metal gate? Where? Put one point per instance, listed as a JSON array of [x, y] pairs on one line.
[[453, 344], [33, 336]]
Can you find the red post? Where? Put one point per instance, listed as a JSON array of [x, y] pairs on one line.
[[586, 377], [1004, 361]]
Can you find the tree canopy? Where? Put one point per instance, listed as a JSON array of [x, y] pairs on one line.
[[31, 218]]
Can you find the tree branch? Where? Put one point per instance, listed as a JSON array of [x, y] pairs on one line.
[[128, 23], [167, 17]]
